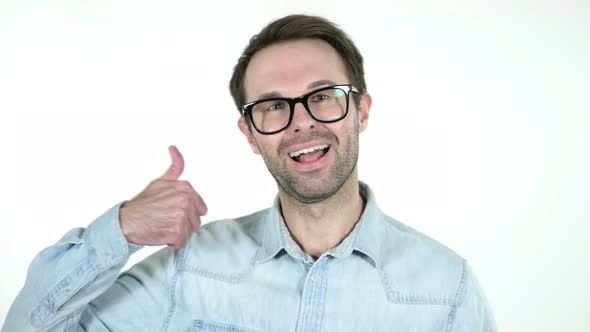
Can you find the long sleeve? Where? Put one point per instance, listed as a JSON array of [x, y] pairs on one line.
[[76, 284], [473, 313]]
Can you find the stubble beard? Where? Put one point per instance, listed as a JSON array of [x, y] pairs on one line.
[[316, 186]]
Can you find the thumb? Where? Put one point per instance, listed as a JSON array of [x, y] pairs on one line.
[[175, 170]]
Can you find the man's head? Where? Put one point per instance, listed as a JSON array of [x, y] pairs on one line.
[[296, 27], [292, 57]]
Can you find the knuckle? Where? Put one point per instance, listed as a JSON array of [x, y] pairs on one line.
[[175, 233], [184, 185], [183, 198], [180, 214], [172, 237], [180, 231]]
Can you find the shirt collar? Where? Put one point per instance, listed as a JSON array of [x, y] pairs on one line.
[[366, 237]]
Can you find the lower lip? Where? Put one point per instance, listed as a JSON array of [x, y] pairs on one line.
[[311, 166]]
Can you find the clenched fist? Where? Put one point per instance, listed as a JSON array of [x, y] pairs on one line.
[[166, 212]]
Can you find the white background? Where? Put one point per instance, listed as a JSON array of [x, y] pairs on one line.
[[478, 135]]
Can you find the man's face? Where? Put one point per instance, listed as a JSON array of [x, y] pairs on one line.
[[291, 69]]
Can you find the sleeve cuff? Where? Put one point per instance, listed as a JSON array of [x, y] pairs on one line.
[[105, 235]]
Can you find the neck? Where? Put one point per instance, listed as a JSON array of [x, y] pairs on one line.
[[320, 226]]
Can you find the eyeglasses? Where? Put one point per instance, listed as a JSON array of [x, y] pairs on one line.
[[271, 115]]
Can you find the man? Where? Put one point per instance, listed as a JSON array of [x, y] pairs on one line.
[[322, 258]]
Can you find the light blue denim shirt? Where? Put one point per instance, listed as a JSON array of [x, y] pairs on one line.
[[248, 274]]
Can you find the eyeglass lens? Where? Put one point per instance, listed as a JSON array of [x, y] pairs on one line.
[[325, 105]]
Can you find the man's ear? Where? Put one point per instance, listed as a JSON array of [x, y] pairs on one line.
[[363, 110], [245, 129]]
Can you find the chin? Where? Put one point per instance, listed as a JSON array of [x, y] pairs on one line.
[[311, 191]]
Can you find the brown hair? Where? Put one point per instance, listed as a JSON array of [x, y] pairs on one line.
[[295, 27]]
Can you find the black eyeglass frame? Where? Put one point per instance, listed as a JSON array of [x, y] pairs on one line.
[[347, 88]]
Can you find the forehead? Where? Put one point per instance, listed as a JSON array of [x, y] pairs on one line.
[[289, 67]]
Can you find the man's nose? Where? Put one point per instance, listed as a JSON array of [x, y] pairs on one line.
[[301, 119]]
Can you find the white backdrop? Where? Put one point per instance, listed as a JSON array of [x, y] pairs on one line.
[[478, 134]]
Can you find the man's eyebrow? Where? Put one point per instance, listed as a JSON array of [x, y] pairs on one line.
[[320, 83], [272, 94], [275, 94]]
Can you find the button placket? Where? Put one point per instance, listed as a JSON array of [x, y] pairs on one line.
[[312, 301]]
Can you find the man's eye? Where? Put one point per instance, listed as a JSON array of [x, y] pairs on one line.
[[276, 107], [320, 98]]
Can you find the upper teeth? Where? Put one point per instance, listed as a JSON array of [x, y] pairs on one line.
[[308, 150]]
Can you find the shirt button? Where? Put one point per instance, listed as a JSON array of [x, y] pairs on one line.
[[315, 278], [67, 288]]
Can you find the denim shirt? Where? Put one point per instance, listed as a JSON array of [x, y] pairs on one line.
[[248, 274]]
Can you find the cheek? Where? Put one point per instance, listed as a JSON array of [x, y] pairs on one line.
[[267, 144], [344, 130]]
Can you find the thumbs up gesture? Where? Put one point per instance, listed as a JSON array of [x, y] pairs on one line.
[[166, 212]]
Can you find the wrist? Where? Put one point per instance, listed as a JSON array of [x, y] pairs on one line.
[[124, 222]]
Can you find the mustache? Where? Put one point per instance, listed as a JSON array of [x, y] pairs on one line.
[[315, 135]]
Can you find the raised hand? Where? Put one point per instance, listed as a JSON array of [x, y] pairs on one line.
[[166, 212]]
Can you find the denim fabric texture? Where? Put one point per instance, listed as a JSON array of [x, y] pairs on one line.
[[248, 274]]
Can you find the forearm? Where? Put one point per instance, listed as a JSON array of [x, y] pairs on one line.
[[64, 278]]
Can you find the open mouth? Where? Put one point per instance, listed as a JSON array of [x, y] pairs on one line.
[[310, 154]]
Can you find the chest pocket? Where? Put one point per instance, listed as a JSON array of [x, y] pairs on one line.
[[212, 326]]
